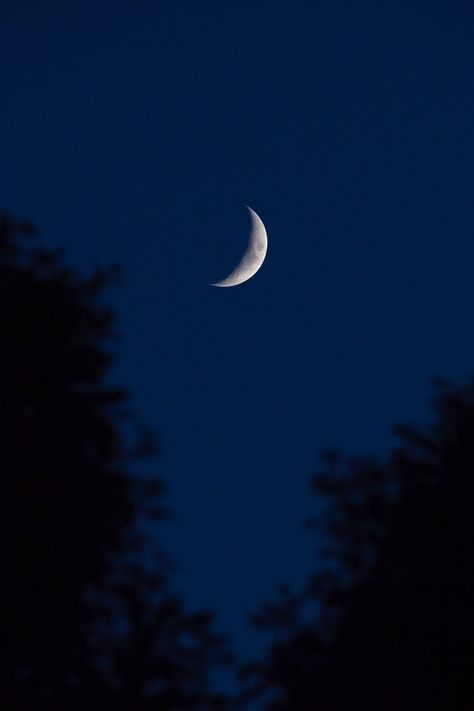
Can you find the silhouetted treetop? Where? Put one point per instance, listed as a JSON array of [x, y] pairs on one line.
[[394, 627], [87, 618]]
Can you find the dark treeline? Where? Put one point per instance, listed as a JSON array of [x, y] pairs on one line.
[[387, 622], [88, 616]]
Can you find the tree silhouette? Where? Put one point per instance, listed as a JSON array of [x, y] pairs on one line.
[[395, 627], [88, 619]]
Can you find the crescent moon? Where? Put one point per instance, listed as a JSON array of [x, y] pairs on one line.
[[253, 256]]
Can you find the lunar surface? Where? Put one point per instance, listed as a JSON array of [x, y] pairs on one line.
[[253, 256]]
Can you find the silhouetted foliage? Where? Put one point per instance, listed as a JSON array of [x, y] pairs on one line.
[[394, 626], [88, 620]]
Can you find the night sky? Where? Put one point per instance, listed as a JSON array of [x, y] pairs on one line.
[[136, 132]]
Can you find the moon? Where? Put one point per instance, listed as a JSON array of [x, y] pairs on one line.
[[253, 256]]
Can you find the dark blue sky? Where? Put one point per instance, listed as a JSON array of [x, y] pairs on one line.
[[135, 132]]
